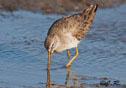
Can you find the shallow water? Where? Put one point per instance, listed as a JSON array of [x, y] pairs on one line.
[[23, 58]]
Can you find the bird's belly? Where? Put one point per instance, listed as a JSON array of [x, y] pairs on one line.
[[68, 42]]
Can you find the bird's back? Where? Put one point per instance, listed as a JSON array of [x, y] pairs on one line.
[[76, 24]]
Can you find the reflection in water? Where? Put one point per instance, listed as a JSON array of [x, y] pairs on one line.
[[67, 77], [103, 82], [48, 84]]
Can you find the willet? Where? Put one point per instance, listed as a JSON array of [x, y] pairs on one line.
[[66, 33]]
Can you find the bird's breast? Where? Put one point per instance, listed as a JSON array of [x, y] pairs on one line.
[[67, 41]]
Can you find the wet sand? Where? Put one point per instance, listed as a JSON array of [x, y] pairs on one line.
[[23, 58], [55, 6]]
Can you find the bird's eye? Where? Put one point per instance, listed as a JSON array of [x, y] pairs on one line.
[[52, 45]]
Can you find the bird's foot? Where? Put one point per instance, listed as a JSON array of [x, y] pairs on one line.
[[67, 66], [48, 68]]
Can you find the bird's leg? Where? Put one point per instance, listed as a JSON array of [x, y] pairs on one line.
[[68, 54], [76, 54]]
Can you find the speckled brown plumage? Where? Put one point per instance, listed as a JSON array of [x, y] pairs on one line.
[[78, 24], [66, 33]]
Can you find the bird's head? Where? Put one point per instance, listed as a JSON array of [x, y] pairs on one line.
[[51, 43]]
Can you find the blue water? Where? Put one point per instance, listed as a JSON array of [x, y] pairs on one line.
[[23, 58]]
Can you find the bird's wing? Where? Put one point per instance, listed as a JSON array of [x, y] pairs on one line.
[[63, 25], [88, 16], [76, 24]]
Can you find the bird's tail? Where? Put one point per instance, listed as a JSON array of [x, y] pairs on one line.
[[90, 12], [93, 8]]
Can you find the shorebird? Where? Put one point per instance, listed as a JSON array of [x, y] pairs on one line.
[[66, 33]]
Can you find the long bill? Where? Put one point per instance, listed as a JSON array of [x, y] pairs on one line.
[[49, 59]]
